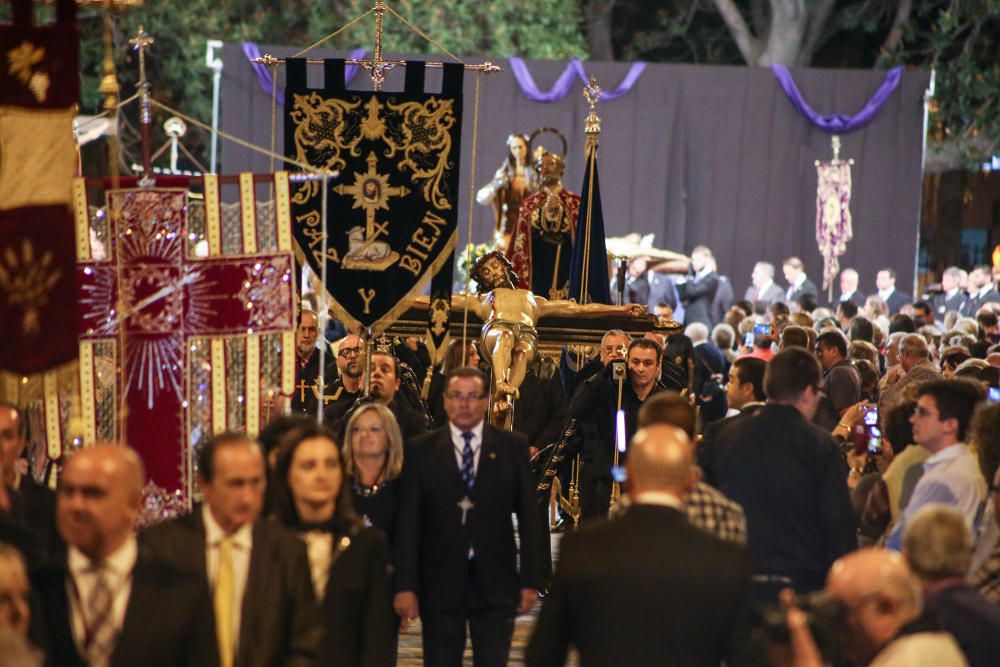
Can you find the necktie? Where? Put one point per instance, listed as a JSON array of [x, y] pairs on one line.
[[224, 591], [468, 469], [99, 641]]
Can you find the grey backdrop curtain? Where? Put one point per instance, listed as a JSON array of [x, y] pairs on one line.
[[695, 154]]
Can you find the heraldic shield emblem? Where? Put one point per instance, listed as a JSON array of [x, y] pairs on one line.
[[392, 213]]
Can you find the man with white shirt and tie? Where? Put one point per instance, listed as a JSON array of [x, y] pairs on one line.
[[456, 557], [94, 607], [262, 595], [763, 291]]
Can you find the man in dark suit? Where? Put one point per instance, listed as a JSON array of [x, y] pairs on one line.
[[763, 291], [951, 297], [849, 281], [257, 571], [384, 385], [885, 281], [647, 587], [981, 290], [456, 558], [697, 290], [799, 284], [32, 506], [96, 607], [789, 477]]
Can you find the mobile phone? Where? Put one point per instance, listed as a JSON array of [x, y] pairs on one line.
[[875, 441], [748, 339], [762, 329], [993, 394], [618, 474], [871, 417]]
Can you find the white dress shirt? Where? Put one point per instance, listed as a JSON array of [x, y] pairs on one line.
[[796, 284], [242, 546], [459, 443], [659, 498], [117, 571], [885, 294], [762, 290]]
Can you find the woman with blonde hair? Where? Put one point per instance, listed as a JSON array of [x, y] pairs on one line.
[[373, 461]]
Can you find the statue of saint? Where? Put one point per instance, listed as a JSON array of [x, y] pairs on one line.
[[541, 245], [510, 314], [513, 181]]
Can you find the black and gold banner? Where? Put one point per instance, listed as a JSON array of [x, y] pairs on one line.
[[392, 214]]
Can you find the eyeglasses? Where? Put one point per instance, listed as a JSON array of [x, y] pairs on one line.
[[456, 396], [346, 352], [921, 411]]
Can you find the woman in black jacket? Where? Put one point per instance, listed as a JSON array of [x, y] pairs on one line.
[[348, 562]]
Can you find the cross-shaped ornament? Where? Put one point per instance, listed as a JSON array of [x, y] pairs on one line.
[[302, 386], [465, 505]]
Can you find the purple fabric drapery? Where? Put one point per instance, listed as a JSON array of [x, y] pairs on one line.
[[838, 123], [251, 51], [563, 84]]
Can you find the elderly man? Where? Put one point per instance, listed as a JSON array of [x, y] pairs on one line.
[[347, 388], [849, 281], [94, 606], [882, 599], [938, 547], [915, 366], [648, 586], [308, 385], [951, 474], [763, 291]]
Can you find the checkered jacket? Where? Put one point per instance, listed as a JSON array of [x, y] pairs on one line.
[[714, 513]]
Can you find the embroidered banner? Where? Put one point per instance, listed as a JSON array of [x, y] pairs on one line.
[[392, 213], [833, 215], [154, 300], [39, 89]]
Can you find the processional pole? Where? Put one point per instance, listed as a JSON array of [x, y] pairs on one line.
[[140, 43]]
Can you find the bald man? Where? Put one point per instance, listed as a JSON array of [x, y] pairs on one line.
[[95, 607], [883, 601], [646, 584]]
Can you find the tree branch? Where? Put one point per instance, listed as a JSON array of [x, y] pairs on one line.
[[818, 19], [895, 35], [749, 45]]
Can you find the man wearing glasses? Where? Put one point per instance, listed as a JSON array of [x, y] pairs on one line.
[[347, 388], [951, 474], [456, 556]]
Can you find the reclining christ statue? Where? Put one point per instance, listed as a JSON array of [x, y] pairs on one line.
[[510, 314]]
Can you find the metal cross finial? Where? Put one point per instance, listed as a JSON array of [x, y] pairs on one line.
[[592, 124], [140, 43]]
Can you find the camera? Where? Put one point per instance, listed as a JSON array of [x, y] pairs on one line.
[[762, 329], [618, 370], [827, 620]]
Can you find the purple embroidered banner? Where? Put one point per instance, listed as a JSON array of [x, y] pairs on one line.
[[838, 123], [251, 51], [563, 84]]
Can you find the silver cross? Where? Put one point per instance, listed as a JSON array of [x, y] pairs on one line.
[[465, 505]]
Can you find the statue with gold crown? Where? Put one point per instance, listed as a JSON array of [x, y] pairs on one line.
[[541, 246]]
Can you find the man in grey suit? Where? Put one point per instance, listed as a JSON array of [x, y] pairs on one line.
[[271, 618], [763, 291]]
